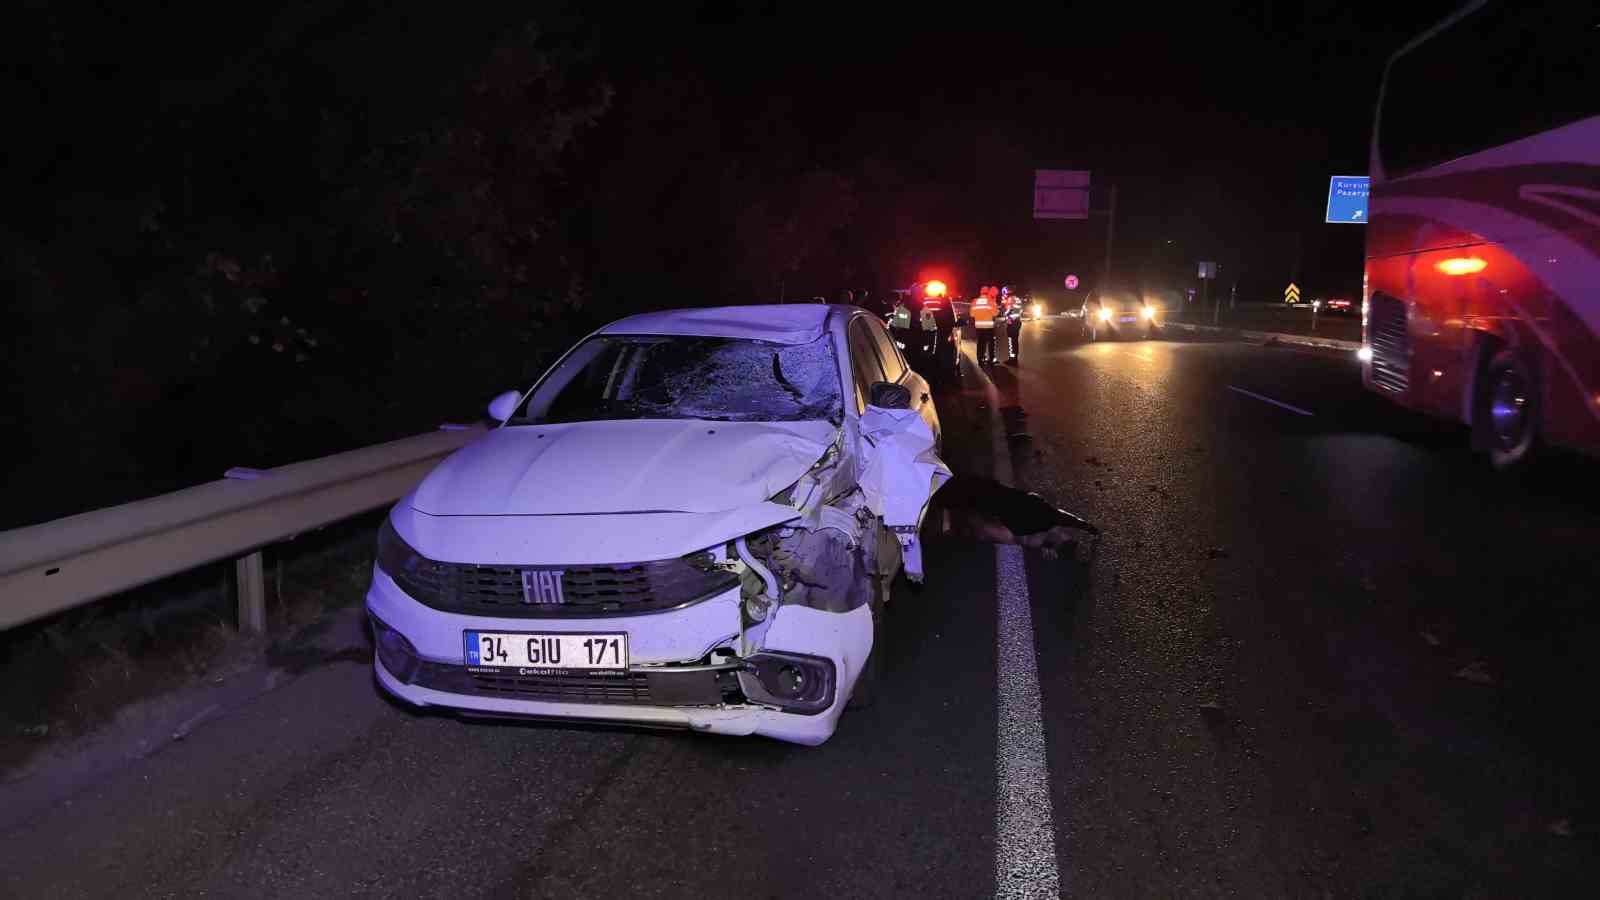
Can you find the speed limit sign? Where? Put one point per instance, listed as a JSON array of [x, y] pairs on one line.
[[1072, 282]]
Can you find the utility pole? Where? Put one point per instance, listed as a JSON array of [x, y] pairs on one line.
[[1111, 231]]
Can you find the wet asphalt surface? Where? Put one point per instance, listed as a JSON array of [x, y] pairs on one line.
[[1324, 655]]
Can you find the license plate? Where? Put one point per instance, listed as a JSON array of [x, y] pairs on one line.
[[546, 653], [1126, 319]]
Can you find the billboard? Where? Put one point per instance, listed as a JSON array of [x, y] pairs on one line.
[[1060, 194]]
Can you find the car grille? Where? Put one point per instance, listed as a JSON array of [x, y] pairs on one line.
[[586, 591], [634, 688], [637, 687], [1390, 343]]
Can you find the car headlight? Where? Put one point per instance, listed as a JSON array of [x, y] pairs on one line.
[[1038, 310], [420, 577], [1149, 312], [1105, 313]]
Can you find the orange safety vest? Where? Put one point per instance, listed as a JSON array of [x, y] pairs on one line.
[[982, 313]]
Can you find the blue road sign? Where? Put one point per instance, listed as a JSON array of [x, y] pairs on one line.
[[1347, 198]]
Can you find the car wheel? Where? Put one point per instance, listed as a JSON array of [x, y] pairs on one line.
[[868, 683], [1507, 415]]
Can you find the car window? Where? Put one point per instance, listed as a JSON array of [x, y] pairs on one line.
[[864, 361], [894, 365], [689, 377]]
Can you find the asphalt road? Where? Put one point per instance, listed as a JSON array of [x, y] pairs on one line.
[[1248, 687]]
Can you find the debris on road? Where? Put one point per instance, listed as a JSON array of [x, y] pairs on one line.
[[1477, 673], [1429, 638], [34, 731]]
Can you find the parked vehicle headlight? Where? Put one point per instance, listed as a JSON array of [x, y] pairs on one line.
[[1105, 313], [1149, 312]]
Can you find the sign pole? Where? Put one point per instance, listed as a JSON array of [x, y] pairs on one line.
[[1111, 230]]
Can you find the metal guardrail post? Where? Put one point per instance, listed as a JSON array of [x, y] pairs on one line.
[[252, 593]]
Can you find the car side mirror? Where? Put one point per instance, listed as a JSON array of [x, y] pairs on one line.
[[501, 407], [888, 395]]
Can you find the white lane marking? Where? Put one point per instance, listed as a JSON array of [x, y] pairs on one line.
[[1277, 403], [1025, 832]]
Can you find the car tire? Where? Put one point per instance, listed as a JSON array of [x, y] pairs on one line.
[[1506, 414], [868, 683]]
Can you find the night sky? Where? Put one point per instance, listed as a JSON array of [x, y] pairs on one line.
[[1220, 123]]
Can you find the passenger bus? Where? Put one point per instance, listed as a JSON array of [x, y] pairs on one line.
[[1481, 295]]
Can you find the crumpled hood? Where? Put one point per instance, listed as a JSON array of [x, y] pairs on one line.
[[633, 465]]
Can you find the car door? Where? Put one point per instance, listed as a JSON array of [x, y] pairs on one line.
[[880, 360]]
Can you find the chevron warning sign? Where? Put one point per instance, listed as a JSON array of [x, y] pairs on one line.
[[1291, 294]]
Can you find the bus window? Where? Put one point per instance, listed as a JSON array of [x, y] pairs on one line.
[[1504, 72]]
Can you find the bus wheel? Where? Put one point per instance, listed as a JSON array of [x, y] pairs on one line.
[[1508, 408]]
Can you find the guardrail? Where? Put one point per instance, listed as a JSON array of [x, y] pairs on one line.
[[49, 568]]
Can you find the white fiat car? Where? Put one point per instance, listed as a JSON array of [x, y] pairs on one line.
[[690, 521]]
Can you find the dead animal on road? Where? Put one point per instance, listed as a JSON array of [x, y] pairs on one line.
[[982, 509]]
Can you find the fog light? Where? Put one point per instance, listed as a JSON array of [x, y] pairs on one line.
[[397, 654], [791, 681]]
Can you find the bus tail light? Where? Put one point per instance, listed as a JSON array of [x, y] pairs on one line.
[[1461, 265]]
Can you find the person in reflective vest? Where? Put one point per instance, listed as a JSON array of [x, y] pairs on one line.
[[1011, 324], [983, 313], [900, 325]]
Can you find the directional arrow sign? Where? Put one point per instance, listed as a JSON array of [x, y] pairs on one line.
[[1347, 199], [1291, 294]]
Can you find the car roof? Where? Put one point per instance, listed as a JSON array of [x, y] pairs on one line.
[[780, 323]]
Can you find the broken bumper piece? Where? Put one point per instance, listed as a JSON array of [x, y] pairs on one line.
[[793, 689]]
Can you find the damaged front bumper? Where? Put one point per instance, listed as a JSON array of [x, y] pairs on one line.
[[686, 667]]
